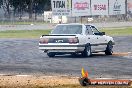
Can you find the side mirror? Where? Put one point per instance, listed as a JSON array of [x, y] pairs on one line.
[[103, 33]]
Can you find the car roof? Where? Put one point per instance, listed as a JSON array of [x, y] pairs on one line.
[[89, 25], [76, 24], [71, 24]]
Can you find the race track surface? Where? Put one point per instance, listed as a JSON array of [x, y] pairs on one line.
[[22, 56]]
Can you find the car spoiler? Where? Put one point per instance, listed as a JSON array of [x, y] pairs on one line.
[[58, 35]]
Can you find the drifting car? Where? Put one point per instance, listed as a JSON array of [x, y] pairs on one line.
[[76, 38]]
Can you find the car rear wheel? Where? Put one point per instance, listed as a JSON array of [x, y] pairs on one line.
[[109, 48], [51, 54], [87, 51]]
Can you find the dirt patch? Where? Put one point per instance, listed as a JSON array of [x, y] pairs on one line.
[[34, 81], [24, 81], [121, 54]]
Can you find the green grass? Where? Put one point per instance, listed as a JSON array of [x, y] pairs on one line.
[[118, 31], [23, 33], [37, 33]]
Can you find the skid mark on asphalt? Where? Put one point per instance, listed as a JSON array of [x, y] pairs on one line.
[[122, 54], [127, 55]]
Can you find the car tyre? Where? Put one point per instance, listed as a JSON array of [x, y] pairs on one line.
[[84, 81], [109, 48], [87, 51], [50, 54]]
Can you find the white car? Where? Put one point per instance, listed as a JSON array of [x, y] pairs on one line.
[[76, 38]]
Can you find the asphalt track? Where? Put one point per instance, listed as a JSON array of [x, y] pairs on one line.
[[22, 56]]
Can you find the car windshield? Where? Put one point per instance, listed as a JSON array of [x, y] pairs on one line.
[[67, 29]]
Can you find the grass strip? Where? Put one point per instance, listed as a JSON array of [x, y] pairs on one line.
[[118, 31], [37, 33], [23, 33]]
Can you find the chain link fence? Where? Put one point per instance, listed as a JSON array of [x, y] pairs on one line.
[[89, 19]]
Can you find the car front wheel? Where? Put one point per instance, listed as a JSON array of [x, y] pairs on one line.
[[51, 54], [109, 48]]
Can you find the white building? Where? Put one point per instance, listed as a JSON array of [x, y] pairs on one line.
[[54, 19]]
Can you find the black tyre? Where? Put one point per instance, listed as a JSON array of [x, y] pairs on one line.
[[109, 48], [87, 51], [50, 54], [84, 81], [130, 83]]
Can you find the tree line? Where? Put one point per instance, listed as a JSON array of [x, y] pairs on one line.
[[19, 7]]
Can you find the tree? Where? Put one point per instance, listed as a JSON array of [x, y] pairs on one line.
[[1, 3], [40, 6], [7, 8], [37, 7], [19, 7], [29, 6]]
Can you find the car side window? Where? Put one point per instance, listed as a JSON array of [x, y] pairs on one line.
[[88, 30], [95, 31]]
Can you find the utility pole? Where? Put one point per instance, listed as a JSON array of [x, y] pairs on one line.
[[126, 6]]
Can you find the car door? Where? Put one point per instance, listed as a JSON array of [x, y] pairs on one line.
[[91, 37], [100, 39]]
